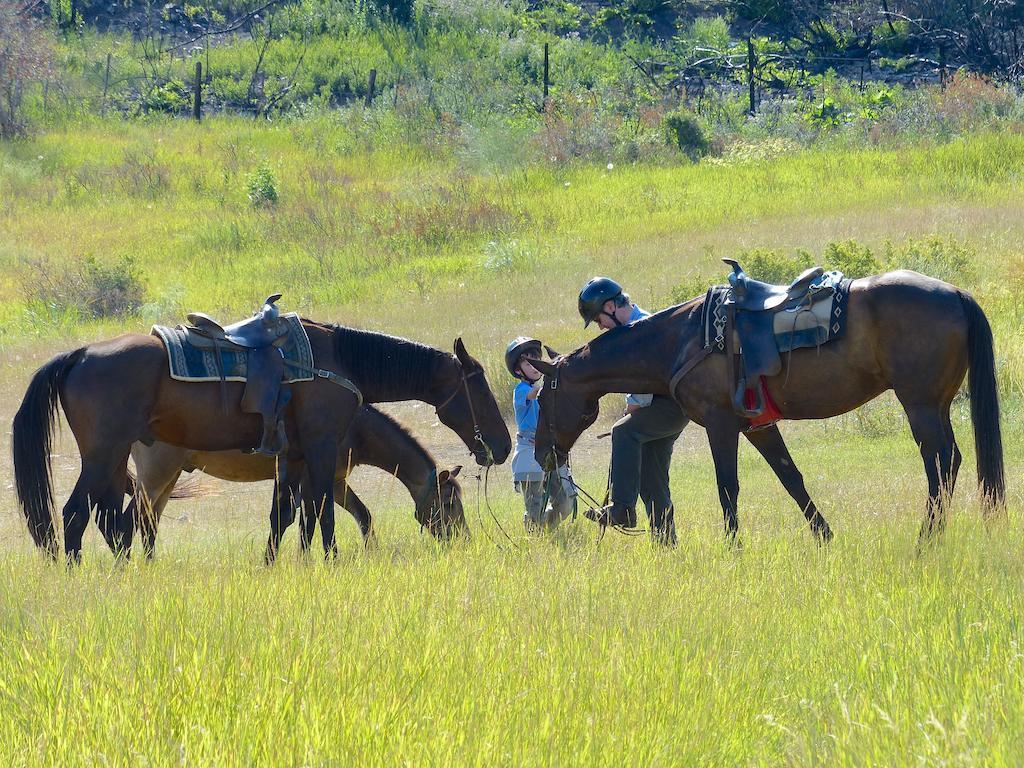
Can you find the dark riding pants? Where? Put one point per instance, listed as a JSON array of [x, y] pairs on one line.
[[642, 445]]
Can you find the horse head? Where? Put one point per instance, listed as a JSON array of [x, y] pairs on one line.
[[567, 409], [472, 412]]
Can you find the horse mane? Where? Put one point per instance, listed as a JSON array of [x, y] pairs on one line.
[[386, 423], [610, 336], [388, 361]]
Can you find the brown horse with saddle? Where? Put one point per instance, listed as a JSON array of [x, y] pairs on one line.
[[272, 383], [748, 354]]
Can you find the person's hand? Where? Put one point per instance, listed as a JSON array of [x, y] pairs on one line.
[[631, 408]]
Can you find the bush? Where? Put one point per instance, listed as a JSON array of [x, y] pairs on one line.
[[262, 187], [90, 287], [684, 132], [772, 266], [852, 258], [941, 257]]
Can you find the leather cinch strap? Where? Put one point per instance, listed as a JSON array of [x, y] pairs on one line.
[[331, 376]]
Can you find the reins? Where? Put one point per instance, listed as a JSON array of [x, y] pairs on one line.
[[481, 476], [583, 416]]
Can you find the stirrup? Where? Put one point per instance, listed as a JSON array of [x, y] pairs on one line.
[[739, 402]]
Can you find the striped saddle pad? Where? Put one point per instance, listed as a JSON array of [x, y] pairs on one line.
[[191, 362]]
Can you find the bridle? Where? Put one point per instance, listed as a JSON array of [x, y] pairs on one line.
[[463, 385], [549, 414]]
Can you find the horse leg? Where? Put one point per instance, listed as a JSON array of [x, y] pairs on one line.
[[947, 426], [928, 426], [772, 447], [282, 514], [321, 461], [347, 498], [724, 438], [149, 520], [96, 487]]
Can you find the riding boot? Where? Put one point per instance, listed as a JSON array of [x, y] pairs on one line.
[[617, 515], [274, 440]]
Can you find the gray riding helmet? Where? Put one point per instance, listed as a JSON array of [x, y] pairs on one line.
[[593, 296], [519, 346]]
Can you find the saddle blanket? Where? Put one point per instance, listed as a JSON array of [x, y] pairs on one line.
[[803, 327], [190, 363]]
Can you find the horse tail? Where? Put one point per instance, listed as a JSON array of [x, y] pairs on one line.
[[31, 440], [988, 440], [192, 488]]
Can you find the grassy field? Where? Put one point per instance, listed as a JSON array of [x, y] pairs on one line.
[[568, 651]]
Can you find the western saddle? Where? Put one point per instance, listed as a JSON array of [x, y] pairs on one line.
[[753, 307], [261, 337]]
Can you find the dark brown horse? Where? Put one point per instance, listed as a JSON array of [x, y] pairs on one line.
[[906, 332], [373, 439], [119, 392]]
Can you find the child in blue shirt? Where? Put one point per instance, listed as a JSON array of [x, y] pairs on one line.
[[527, 474]]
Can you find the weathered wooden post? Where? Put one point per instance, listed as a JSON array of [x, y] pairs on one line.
[[750, 77], [106, 83], [547, 71], [370, 84], [197, 99]]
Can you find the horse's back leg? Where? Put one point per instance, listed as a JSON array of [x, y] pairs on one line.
[[149, 519], [724, 437], [772, 447], [100, 485], [933, 435], [347, 498]]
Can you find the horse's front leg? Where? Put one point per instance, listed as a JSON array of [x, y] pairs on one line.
[[772, 447], [282, 510], [321, 461], [724, 438]]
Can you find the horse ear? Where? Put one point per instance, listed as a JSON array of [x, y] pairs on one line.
[[551, 353], [455, 470], [442, 477], [461, 353], [548, 369]]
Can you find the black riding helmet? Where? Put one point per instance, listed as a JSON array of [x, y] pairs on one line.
[[594, 295], [518, 347]]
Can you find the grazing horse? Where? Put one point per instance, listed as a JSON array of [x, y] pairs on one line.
[[913, 334], [373, 438], [119, 392]]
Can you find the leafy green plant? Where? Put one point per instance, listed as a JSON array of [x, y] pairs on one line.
[[261, 186], [852, 258], [90, 287], [936, 256], [684, 132]]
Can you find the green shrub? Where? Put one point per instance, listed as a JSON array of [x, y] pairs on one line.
[[90, 287], [261, 186], [172, 97], [773, 266], [852, 258], [684, 132], [941, 257]]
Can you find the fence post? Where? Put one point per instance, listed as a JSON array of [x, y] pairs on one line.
[[750, 77], [370, 84], [547, 71], [106, 83], [197, 100]]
